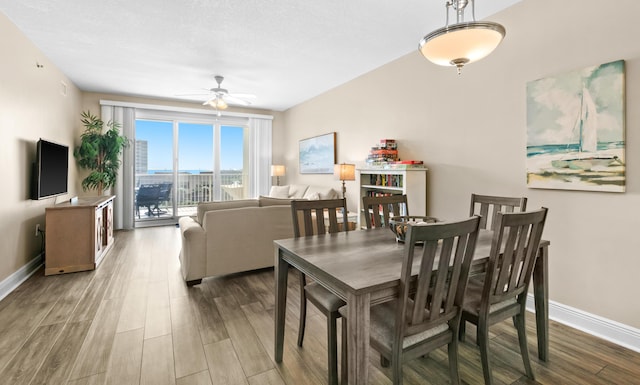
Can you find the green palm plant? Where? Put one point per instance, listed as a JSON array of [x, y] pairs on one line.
[[99, 152]]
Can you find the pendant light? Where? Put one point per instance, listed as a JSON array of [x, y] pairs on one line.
[[463, 42]]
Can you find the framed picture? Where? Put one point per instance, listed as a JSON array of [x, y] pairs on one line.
[[576, 130], [318, 154]]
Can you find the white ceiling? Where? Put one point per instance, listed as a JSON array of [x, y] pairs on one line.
[[284, 52]]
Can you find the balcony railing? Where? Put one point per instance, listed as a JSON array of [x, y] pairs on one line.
[[195, 188]]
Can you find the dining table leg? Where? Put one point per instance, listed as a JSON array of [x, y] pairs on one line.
[[281, 273], [358, 338], [541, 299]]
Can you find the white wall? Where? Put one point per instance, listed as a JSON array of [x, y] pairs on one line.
[[471, 132], [32, 106]]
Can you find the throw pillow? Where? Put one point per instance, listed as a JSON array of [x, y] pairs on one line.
[[279, 192], [296, 191], [314, 196]]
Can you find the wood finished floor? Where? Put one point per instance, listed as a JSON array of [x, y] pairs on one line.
[[133, 321]]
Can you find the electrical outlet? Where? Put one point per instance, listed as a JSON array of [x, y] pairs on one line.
[[37, 229]]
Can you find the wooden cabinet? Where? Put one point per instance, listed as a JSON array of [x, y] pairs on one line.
[[412, 182], [78, 234]]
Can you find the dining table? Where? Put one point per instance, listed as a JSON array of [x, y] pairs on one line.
[[363, 268]]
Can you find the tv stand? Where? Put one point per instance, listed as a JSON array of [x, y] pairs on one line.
[[79, 234]]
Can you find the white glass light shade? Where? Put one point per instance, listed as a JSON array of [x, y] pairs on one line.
[[218, 104], [277, 170], [345, 171], [463, 43]]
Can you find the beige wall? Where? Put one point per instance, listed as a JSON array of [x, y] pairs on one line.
[[471, 132], [31, 107]]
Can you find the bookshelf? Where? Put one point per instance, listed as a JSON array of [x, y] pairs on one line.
[[411, 181]]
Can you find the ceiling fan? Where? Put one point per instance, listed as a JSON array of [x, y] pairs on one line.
[[220, 98]]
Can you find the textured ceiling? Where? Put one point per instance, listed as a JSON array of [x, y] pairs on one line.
[[284, 52]]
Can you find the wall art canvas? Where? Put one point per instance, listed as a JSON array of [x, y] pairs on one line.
[[576, 130], [318, 154]]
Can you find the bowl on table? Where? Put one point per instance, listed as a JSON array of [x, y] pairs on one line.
[[400, 225]]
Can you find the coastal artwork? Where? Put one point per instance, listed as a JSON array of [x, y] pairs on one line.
[[318, 154], [576, 130]]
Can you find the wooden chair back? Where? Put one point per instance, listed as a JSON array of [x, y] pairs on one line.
[[309, 216], [488, 206], [377, 207], [512, 258], [445, 259]]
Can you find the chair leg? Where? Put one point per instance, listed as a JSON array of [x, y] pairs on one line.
[[303, 308], [332, 348], [524, 348], [396, 368], [453, 361], [344, 372], [462, 331], [483, 343]]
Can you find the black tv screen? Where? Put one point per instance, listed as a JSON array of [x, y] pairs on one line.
[[51, 170]]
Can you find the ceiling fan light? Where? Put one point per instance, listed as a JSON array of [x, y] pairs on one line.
[[218, 103], [221, 104]]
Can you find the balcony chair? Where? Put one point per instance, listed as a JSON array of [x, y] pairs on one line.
[[147, 196]]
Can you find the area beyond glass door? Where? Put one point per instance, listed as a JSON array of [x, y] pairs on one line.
[[195, 165], [233, 176], [154, 170]]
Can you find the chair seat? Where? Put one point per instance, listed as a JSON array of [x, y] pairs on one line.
[[473, 297], [323, 298], [381, 326]]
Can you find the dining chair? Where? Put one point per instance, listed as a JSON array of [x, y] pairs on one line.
[[502, 291], [426, 314], [488, 206], [378, 209], [308, 220]]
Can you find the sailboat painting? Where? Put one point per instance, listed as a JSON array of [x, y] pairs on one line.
[[576, 130]]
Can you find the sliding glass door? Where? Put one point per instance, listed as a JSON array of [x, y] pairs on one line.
[[181, 162], [154, 170]]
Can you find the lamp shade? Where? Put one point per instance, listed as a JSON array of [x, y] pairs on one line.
[[345, 171], [277, 170], [218, 103], [463, 43]]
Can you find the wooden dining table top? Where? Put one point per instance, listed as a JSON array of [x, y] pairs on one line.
[[361, 261]]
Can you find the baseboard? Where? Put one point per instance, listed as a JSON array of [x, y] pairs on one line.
[[10, 283], [620, 334]]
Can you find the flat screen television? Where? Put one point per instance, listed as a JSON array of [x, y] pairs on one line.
[[50, 170]]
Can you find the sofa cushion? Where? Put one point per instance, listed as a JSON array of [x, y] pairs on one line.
[[323, 192], [203, 207], [269, 201], [279, 192], [296, 191]]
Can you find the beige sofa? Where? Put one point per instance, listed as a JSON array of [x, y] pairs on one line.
[[235, 236]]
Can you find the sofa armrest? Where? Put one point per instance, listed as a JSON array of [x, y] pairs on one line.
[[193, 255]]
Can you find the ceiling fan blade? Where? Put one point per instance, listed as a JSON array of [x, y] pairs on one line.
[[242, 96], [200, 94], [233, 100]]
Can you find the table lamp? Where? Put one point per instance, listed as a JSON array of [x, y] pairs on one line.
[[345, 171], [277, 170]]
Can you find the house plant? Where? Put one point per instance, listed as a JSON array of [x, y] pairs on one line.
[[99, 152]]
